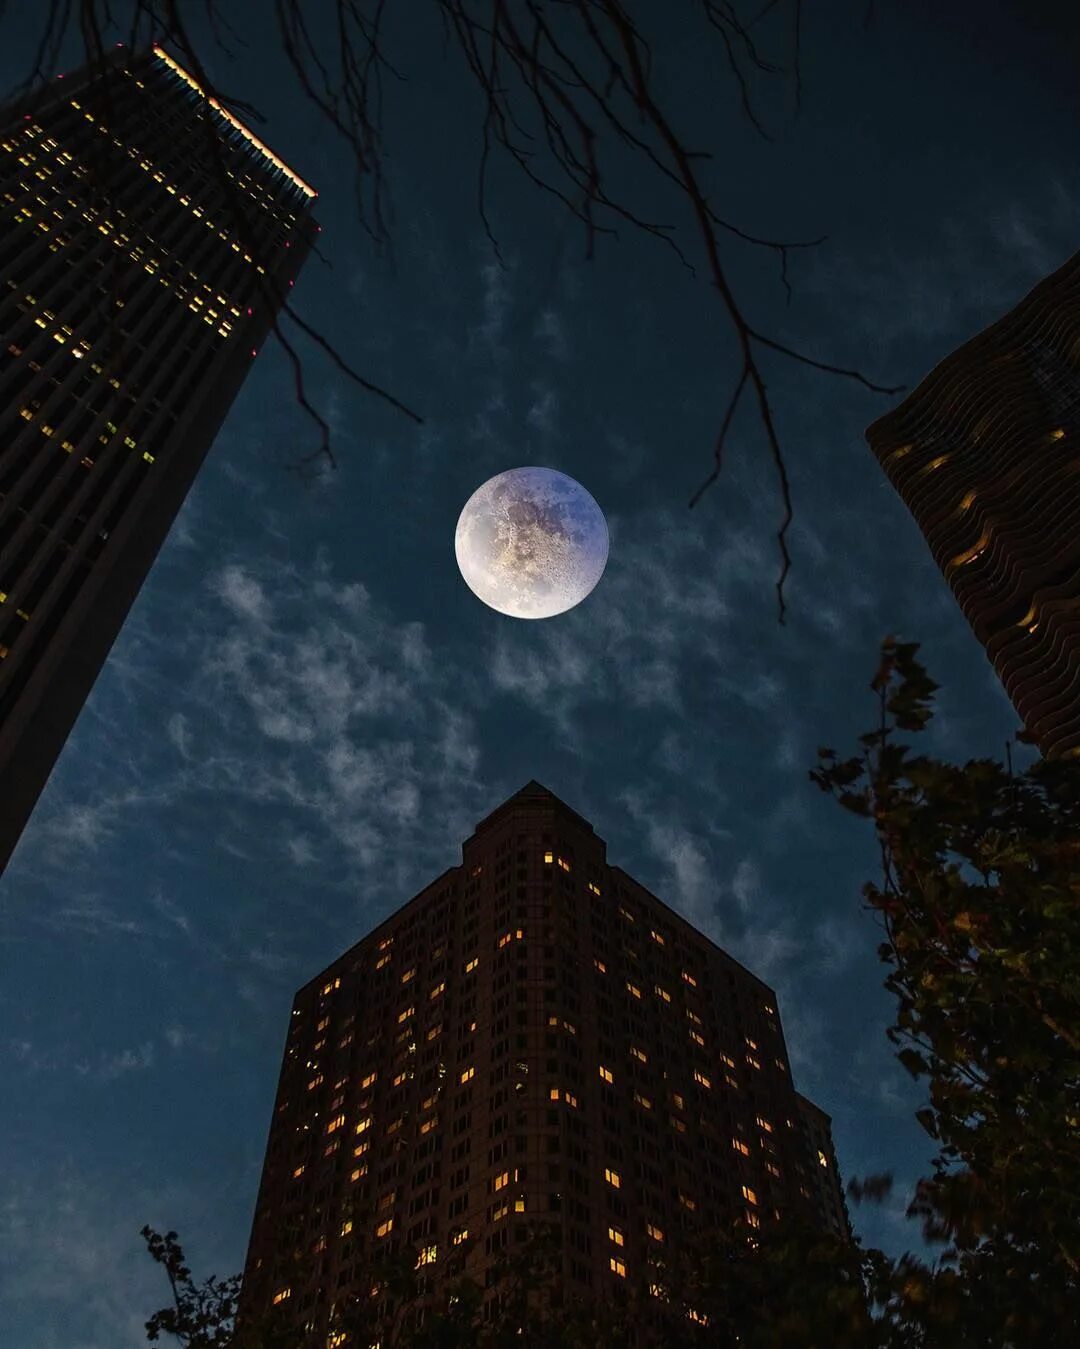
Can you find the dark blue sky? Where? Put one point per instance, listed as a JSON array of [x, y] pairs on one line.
[[307, 710]]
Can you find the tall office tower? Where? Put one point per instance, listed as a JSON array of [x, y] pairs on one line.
[[534, 1038], [985, 454], [145, 237]]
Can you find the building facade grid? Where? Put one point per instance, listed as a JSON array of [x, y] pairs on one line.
[[145, 240], [533, 1041]]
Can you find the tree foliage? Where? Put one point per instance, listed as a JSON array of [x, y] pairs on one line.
[[979, 901]]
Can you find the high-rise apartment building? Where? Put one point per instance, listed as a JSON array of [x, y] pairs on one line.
[[146, 237], [533, 1039], [985, 453]]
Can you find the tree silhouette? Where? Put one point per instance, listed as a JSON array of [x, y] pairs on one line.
[[567, 89]]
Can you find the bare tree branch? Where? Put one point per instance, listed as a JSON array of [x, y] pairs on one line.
[[563, 86]]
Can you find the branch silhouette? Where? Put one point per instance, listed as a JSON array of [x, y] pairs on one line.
[[565, 87]]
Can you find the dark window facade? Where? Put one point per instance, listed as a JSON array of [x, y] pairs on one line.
[[534, 1040], [145, 240], [985, 454]]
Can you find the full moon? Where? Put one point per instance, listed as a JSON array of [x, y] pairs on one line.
[[531, 543]]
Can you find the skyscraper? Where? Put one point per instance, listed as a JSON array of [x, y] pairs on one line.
[[145, 239], [534, 1038], [985, 453]]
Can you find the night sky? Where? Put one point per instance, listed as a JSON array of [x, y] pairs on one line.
[[307, 710]]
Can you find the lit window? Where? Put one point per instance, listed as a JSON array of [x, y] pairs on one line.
[[427, 1256], [394, 1125], [677, 1124], [437, 991], [358, 1173], [662, 993], [281, 1295], [752, 1061], [346, 1227], [749, 1195], [404, 1016], [618, 1267], [335, 1124], [616, 1235], [399, 1079], [701, 1079], [764, 1124], [462, 1234], [382, 960], [822, 1159], [549, 857], [689, 979], [730, 1062], [299, 1171], [752, 1219], [519, 1205], [687, 1202], [657, 937], [500, 1180], [613, 1178], [699, 1318], [472, 964], [594, 888], [976, 551], [697, 1037], [384, 1227], [633, 990], [693, 1016], [467, 1075], [367, 1081], [500, 1212], [772, 1170], [409, 974], [429, 1124], [655, 1232], [386, 942], [435, 1031], [740, 1146], [329, 988], [363, 1124], [639, 1054], [643, 1101], [625, 913], [315, 1081], [563, 863], [600, 965], [680, 1103], [607, 1074]]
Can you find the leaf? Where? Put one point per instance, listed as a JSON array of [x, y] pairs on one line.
[[913, 1061]]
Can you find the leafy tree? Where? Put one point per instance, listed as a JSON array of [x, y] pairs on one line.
[[979, 902]]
